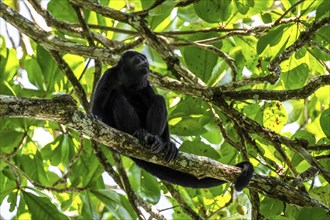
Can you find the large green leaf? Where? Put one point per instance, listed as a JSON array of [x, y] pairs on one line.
[[7, 183], [62, 10], [271, 207], [274, 116], [87, 170], [51, 73], [144, 184], [35, 73], [201, 62], [271, 38], [214, 11], [312, 213], [323, 10], [302, 134], [188, 14], [189, 118], [11, 134], [325, 122], [295, 78], [243, 5], [322, 194], [8, 67], [116, 203], [88, 209], [33, 166], [199, 148], [158, 14], [42, 208]]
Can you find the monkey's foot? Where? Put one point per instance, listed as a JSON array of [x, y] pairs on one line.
[[147, 139], [171, 151]]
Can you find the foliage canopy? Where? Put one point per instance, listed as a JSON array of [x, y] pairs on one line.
[[243, 80]]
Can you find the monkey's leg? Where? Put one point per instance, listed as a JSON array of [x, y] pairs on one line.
[[157, 125], [156, 120], [125, 116]]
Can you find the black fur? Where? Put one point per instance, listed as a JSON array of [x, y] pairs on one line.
[[124, 100]]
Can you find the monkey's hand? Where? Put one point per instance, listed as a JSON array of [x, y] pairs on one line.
[[147, 139], [171, 151]]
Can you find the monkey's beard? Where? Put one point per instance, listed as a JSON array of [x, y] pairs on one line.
[[138, 84]]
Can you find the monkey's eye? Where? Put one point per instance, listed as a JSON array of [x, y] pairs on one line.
[[136, 61]]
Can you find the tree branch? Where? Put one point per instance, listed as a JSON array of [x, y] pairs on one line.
[[51, 41], [283, 95], [246, 123], [63, 110], [304, 38]]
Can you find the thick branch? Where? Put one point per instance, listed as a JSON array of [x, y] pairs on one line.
[[51, 41], [248, 124], [253, 127], [63, 110], [140, 25], [283, 95]]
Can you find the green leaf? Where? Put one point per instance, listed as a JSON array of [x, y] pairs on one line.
[[295, 78], [214, 11], [189, 117], [212, 135], [87, 170], [323, 10], [8, 64], [187, 126], [150, 188], [56, 8], [33, 166], [52, 151], [10, 138], [199, 148], [42, 207], [291, 211], [88, 209], [144, 184], [274, 116], [251, 110], [7, 184], [201, 62], [116, 203], [325, 122], [266, 18], [34, 73], [294, 109], [50, 70], [321, 194], [157, 15], [306, 135], [312, 213], [228, 153], [257, 6], [118, 4], [242, 6], [271, 207], [300, 53], [272, 38], [145, 4], [117, 36], [188, 14]]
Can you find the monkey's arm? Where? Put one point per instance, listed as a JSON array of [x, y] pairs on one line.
[[101, 95]]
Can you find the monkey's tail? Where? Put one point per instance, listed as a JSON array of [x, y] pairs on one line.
[[246, 175], [188, 180]]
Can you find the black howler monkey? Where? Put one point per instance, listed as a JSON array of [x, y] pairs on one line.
[[124, 100]]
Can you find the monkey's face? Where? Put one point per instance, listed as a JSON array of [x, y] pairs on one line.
[[135, 69]]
